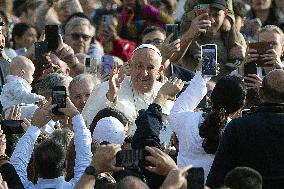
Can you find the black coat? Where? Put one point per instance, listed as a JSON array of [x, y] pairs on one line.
[[255, 141]]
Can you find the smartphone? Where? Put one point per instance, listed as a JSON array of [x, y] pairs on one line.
[[201, 9], [41, 47], [12, 126], [195, 178], [175, 29], [132, 159], [51, 37], [59, 97], [107, 19], [261, 48], [250, 68], [245, 112], [209, 59], [88, 62], [107, 65]]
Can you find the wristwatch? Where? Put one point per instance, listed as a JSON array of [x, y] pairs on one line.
[[90, 170]]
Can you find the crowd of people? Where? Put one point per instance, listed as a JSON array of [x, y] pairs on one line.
[[103, 94]]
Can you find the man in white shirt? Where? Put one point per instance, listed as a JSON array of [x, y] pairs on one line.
[[50, 156], [130, 94]]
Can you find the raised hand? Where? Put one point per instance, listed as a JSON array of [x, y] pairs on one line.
[[171, 88], [15, 113], [251, 56], [271, 58], [70, 109], [43, 115], [176, 178], [238, 51], [199, 25], [161, 162], [253, 81], [115, 82], [169, 48]]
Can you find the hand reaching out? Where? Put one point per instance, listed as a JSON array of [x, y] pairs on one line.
[[115, 82], [170, 89], [15, 113], [176, 178], [253, 81]]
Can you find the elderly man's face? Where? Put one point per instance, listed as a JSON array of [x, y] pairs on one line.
[[80, 93], [145, 69], [274, 38], [79, 39]]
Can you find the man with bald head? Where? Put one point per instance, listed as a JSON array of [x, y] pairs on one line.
[[257, 139], [18, 88], [130, 94]]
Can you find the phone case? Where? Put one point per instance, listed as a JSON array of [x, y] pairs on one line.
[[107, 65], [261, 48], [41, 47], [51, 36]]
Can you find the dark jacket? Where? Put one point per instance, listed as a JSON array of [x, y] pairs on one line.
[[181, 73], [255, 141], [10, 175]]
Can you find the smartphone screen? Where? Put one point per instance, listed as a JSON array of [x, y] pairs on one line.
[[41, 48], [195, 178], [12, 126], [59, 97], [107, 65], [175, 29], [88, 62], [209, 59], [51, 37], [245, 112]]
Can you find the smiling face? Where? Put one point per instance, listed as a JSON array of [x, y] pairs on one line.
[[216, 17], [145, 69]]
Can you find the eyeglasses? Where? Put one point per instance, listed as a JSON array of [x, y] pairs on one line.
[[154, 41], [77, 36]]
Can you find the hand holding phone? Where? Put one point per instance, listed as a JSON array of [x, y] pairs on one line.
[[59, 98], [175, 29], [261, 48], [202, 9], [209, 59], [132, 159]]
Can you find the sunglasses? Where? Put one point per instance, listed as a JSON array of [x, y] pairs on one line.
[[77, 36]]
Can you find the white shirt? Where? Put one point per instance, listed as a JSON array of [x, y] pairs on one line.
[[185, 123], [18, 91], [24, 148], [128, 102]]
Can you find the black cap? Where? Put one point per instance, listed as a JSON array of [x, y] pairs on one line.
[[219, 4], [1, 22]]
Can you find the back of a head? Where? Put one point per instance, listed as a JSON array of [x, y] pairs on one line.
[[131, 182], [229, 93], [227, 97], [243, 178], [44, 87], [273, 86], [49, 159], [20, 63]]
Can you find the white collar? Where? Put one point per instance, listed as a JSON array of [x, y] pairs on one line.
[[11, 78]]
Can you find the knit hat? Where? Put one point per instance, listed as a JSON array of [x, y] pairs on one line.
[[109, 129]]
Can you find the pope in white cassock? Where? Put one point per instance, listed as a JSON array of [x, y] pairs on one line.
[[133, 93]]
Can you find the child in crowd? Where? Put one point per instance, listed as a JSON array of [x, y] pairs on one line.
[[18, 88]]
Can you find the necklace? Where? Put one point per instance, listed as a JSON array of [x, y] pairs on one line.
[[146, 100]]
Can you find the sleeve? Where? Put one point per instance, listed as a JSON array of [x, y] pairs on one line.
[[82, 140], [188, 100], [148, 125], [225, 158], [93, 105], [22, 153], [10, 175], [22, 95], [123, 49]]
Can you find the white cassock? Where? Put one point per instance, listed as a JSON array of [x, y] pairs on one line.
[[128, 102]]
